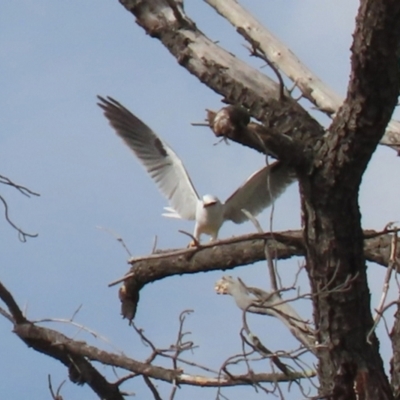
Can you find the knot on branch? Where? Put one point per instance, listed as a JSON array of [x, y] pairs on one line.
[[228, 121]]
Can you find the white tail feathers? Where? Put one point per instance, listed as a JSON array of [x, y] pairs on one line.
[[171, 213]]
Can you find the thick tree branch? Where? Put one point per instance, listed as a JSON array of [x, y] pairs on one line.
[[50, 339], [350, 366], [395, 361], [309, 84], [372, 92], [311, 87], [46, 340], [228, 254], [291, 130]]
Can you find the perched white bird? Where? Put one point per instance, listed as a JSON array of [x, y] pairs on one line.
[[170, 175]]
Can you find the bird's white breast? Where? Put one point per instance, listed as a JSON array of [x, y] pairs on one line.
[[209, 218]]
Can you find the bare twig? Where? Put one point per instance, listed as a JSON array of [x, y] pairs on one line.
[[152, 388], [6, 315], [386, 285], [200, 124], [271, 267], [117, 237], [256, 52], [180, 345], [154, 248], [257, 345], [172, 349], [22, 189], [55, 396], [22, 235], [15, 311], [120, 381]]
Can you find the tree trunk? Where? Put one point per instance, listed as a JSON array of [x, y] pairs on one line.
[[350, 366]]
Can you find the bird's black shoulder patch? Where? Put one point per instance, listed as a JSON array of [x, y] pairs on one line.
[[159, 146]]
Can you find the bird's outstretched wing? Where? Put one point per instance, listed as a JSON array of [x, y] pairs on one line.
[[258, 192], [160, 161]]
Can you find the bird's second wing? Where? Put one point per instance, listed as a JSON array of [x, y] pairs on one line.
[[258, 192], [160, 161]]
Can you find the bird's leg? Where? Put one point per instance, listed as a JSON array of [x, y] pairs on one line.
[[214, 237], [196, 237]]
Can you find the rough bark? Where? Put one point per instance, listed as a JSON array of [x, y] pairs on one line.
[[333, 236], [289, 128], [311, 87], [395, 361]]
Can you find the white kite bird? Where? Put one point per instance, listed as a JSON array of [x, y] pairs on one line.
[[170, 175]]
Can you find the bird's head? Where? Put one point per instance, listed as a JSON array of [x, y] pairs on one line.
[[210, 200]]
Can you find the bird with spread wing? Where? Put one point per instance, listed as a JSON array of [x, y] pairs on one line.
[[169, 173]]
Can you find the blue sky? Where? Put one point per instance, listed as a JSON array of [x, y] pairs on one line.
[[55, 58]]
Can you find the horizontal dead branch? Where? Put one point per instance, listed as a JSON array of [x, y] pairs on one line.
[[245, 379], [50, 338], [228, 254], [53, 339]]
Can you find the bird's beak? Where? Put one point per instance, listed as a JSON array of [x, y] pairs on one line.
[[211, 203]]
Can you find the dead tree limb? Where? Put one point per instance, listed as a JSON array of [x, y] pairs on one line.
[[288, 124], [76, 356], [225, 255], [311, 87], [61, 348]]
